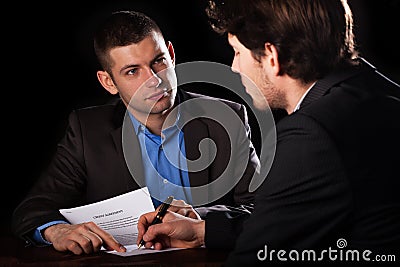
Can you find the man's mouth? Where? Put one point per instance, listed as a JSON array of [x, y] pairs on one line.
[[157, 96]]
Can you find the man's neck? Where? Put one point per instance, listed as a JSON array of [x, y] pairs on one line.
[[296, 95]]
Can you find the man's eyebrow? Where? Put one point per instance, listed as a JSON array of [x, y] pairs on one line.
[[129, 66], [157, 56]]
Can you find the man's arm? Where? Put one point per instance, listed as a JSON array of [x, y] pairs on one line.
[[61, 185], [245, 150]]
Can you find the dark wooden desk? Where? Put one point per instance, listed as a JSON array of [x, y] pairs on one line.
[[14, 253]]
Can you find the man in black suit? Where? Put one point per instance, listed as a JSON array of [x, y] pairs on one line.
[[334, 180], [115, 148]]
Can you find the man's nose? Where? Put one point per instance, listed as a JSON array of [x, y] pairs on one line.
[[154, 80], [235, 67]]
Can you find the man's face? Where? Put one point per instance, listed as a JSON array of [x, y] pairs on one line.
[[144, 75], [255, 78]]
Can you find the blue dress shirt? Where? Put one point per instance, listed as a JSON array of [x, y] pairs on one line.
[[165, 167]]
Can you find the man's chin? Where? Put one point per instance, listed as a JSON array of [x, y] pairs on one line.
[[262, 106], [161, 107]]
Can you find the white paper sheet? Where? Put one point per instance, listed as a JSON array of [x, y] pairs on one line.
[[133, 250], [118, 215]]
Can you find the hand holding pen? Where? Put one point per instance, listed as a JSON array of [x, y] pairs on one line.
[[176, 230], [159, 216]]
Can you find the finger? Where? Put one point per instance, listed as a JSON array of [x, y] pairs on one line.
[[187, 212], [162, 243], [95, 240], [158, 246], [108, 240], [178, 204], [148, 244], [144, 222], [82, 236], [174, 209], [112, 244], [184, 209], [193, 215], [84, 242], [74, 247]]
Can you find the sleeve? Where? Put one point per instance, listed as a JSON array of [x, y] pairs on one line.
[[37, 235], [223, 224], [60, 185], [245, 150]]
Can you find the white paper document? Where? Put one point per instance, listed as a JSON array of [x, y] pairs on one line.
[[118, 215], [132, 250]]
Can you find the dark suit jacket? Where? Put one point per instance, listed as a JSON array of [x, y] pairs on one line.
[[89, 163], [335, 175]]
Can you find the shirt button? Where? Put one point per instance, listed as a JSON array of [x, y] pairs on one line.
[[165, 181]]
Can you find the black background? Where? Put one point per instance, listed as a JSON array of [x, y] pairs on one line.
[[50, 68]]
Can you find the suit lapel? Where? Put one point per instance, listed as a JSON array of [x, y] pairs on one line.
[[195, 131], [127, 146]]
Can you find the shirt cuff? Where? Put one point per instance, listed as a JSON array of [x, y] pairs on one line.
[[37, 235]]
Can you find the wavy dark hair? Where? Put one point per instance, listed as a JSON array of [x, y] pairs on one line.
[[313, 37]]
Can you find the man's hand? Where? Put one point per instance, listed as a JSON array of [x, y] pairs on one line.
[[81, 238], [175, 231]]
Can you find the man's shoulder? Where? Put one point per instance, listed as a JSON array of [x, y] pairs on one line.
[[107, 107], [112, 111]]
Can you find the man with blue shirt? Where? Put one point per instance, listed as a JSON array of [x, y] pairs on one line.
[[143, 137]]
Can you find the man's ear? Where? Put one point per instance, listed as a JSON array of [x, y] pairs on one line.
[[171, 51], [271, 58], [107, 82]]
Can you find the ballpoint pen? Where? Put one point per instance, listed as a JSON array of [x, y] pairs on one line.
[[160, 215]]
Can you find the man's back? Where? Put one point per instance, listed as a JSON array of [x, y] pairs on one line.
[[361, 115]]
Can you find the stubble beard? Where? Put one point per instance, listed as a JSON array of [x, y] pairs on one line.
[[275, 97]]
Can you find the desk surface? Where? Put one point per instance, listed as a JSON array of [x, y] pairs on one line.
[[14, 253]]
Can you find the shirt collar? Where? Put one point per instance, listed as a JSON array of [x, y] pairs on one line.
[[139, 127], [302, 98]]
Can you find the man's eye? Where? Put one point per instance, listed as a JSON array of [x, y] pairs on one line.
[[161, 60], [132, 71]]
